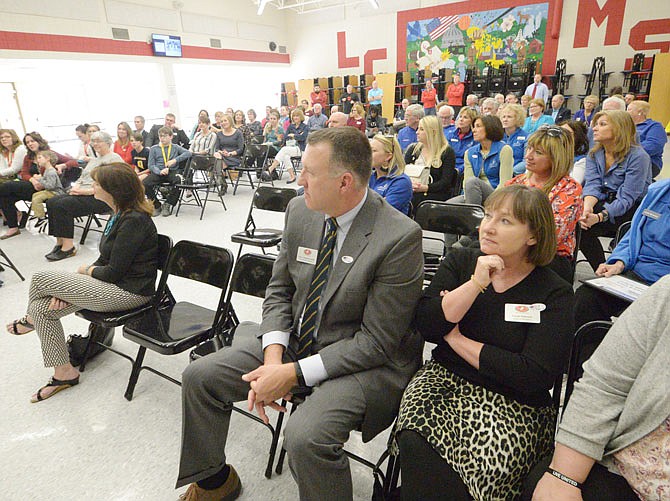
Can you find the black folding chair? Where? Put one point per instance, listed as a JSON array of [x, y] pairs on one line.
[[266, 198], [247, 168], [202, 177], [5, 261], [102, 322], [446, 217], [98, 219], [586, 341], [173, 327]]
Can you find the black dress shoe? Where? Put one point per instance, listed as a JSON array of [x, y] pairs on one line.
[[24, 220], [61, 254], [53, 251]]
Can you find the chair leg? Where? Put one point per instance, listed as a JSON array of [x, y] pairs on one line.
[[87, 227], [94, 332], [135, 373], [4, 259], [282, 452]]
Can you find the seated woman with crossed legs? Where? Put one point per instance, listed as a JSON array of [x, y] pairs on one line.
[[123, 277]]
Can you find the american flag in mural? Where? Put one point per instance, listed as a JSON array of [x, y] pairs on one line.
[[438, 26]]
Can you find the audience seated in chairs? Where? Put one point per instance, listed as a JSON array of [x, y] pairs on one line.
[[122, 277], [388, 177], [358, 357], [12, 154], [488, 164], [374, 123], [612, 442], [643, 254], [432, 151], [295, 140], [273, 138], [618, 172], [477, 417], [549, 154], [85, 152], [23, 189], [254, 124], [164, 160], [357, 117], [122, 146], [317, 120], [579, 132], [512, 118], [229, 146], [48, 185], [241, 125]]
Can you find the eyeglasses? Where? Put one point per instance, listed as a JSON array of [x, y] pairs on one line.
[[552, 130], [391, 138]]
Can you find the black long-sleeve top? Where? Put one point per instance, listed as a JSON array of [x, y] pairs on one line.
[[443, 177], [519, 360], [129, 254]]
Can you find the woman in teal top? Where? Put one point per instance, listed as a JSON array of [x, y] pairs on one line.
[[536, 117]]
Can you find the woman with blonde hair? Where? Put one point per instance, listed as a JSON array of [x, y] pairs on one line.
[[586, 114], [432, 151], [549, 156], [122, 146], [460, 136], [618, 173], [513, 117], [357, 117], [388, 177]]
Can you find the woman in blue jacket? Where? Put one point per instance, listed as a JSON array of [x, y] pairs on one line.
[[618, 173], [513, 117], [388, 177], [489, 163], [536, 117], [643, 254], [460, 137]]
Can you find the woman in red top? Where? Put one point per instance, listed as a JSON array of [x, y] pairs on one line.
[[454, 94], [357, 117], [12, 192], [429, 98], [122, 146], [549, 156]]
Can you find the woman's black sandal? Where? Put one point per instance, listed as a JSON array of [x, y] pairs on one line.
[[23, 321], [58, 384]]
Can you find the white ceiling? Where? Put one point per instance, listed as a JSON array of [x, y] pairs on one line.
[[308, 6]]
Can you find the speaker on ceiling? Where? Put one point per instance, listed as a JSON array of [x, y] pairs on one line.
[[273, 46]]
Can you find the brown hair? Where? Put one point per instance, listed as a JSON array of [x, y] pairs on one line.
[[532, 207], [49, 155], [349, 151], [492, 126], [43, 144], [121, 182], [558, 144], [624, 132], [16, 142], [129, 131]]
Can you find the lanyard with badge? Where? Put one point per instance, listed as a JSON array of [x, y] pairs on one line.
[[166, 158]]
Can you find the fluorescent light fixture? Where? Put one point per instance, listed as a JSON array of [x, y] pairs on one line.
[[374, 3], [261, 6]]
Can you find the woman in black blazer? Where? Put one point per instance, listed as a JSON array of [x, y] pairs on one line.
[[432, 150]]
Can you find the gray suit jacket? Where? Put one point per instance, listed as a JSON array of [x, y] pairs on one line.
[[368, 304]]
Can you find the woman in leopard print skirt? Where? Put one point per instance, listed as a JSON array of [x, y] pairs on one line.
[[478, 416]]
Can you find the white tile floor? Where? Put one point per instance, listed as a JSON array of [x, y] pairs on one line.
[[89, 442]]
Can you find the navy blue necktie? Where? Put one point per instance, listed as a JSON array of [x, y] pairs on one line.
[[316, 288]]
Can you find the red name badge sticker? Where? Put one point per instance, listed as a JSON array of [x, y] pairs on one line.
[[306, 255]]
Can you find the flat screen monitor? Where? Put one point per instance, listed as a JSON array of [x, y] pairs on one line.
[[166, 45]]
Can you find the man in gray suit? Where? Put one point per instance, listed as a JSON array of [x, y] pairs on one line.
[[363, 351]]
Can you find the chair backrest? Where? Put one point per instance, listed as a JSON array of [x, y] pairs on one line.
[[200, 262], [164, 248], [587, 339], [252, 274], [457, 186], [273, 199], [446, 217], [202, 162], [621, 232]]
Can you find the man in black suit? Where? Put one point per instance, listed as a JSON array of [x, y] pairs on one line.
[[139, 128], [558, 111], [178, 135]]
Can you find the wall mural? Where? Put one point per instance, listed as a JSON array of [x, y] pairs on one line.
[[513, 35]]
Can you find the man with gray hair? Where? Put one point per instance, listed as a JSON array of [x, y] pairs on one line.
[[318, 120], [446, 116], [472, 101], [558, 111], [490, 106], [399, 118], [614, 104], [407, 134]]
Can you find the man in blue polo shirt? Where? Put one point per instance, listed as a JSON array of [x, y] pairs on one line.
[[651, 134], [407, 134]]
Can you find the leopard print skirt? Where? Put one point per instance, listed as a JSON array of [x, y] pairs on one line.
[[490, 440]]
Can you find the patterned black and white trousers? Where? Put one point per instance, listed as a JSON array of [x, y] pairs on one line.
[[83, 293]]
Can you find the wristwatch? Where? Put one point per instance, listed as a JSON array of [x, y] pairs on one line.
[[299, 375], [605, 216]]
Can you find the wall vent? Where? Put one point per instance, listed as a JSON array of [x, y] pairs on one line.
[[215, 42], [120, 34], [282, 49]]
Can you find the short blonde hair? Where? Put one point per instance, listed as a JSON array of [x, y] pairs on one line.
[[643, 106], [359, 109], [298, 111], [538, 102], [624, 131], [390, 145], [532, 207], [519, 113], [593, 99]]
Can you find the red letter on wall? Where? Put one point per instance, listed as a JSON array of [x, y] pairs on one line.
[[640, 32], [370, 57], [342, 60], [613, 11]]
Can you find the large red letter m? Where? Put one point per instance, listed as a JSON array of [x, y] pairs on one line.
[[612, 10]]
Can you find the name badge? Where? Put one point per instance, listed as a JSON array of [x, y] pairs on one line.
[[650, 213], [306, 255], [474, 156], [454, 140], [523, 313], [521, 138]]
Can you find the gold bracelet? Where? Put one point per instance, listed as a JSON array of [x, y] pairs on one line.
[[481, 288]]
